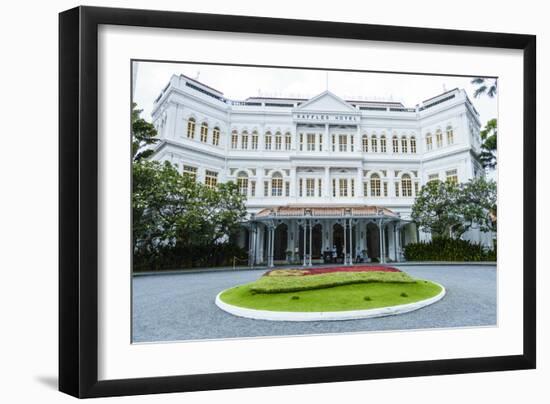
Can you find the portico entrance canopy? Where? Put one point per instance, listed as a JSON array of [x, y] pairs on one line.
[[343, 227]]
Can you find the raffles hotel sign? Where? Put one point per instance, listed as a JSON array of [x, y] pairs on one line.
[[341, 118]]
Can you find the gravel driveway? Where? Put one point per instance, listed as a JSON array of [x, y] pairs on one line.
[[181, 306]]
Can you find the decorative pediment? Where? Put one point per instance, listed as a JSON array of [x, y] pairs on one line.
[[326, 101]]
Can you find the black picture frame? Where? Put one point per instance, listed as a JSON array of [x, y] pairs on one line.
[[78, 201]]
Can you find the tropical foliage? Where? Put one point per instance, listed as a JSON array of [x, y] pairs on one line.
[[143, 135], [447, 249], [485, 86], [447, 209], [488, 155], [178, 221]]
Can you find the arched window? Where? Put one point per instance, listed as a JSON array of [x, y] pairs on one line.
[[374, 144], [404, 148], [254, 140], [242, 183], [278, 141], [204, 132], [268, 140], [234, 139], [277, 184], [395, 144], [450, 135], [413, 144], [439, 138], [288, 141], [406, 185], [191, 128], [383, 144], [429, 143], [216, 136], [374, 185], [365, 143], [244, 140]]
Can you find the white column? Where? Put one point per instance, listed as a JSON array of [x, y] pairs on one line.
[[345, 243], [289, 238], [293, 182], [384, 246], [170, 128], [358, 239], [310, 242], [251, 244], [381, 243], [327, 140], [330, 225], [359, 183], [398, 236], [268, 247], [366, 243], [259, 182], [305, 239], [272, 245], [350, 242], [296, 140], [259, 244], [326, 192]]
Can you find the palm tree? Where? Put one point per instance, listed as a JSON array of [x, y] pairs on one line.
[[143, 135], [485, 86], [488, 155]]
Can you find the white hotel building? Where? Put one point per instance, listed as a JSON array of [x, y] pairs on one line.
[[320, 174]]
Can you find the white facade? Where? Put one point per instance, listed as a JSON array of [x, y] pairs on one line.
[[322, 152]]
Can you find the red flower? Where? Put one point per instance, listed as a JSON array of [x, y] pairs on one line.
[[362, 268], [326, 270]]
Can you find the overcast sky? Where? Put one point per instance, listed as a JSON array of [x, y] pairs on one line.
[[238, 83]]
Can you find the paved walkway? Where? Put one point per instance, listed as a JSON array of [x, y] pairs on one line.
[[181, 306]]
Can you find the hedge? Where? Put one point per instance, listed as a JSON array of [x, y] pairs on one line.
[[447, 249], [168, 258], [283, 284]]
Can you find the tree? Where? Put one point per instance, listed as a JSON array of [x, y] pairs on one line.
[[434, 208], [478, 204], [485, 86], [174, 215], [143, 135], [488, 155], [447, 209]]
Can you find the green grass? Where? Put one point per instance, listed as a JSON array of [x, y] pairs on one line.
[[338, 298], [279, 284]]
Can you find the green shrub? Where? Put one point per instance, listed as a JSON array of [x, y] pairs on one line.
[[283, 284], [295, 297], [403, 294], [175, 257], [367, 298], [447, 249]]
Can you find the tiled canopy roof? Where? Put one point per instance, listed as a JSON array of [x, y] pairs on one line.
[[325, 211]]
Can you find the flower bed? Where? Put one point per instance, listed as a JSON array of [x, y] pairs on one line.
[[319, 271], [283, 284]]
